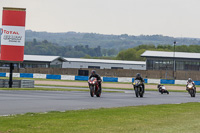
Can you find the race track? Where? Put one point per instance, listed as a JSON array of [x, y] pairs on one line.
[[19, 102]]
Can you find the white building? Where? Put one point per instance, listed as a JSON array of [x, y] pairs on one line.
[[162, 60], [42, 61], [103, 64], [37, 61]]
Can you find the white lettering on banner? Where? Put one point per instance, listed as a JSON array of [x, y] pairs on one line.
[[13, 35]]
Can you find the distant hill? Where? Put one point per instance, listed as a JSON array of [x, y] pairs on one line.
[[118, 42], [75, 44]]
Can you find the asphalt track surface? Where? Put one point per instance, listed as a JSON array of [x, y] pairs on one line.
[[20, 102]]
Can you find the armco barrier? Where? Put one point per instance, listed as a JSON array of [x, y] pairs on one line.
[[2, 74], [181, 82], [155, 81], [110, 79], [26, 75], [67, 77], [53, 76], [197, 82], [4, 83], [124, 79], [84, 78], [16, 75], [165, 81], [40, 76]]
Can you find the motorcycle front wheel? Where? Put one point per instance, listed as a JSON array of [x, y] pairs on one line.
[[92, 91], [192, 93], [136, 92]]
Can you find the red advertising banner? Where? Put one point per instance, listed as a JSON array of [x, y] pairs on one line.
[[13, 34]]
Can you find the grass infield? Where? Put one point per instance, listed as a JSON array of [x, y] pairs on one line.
[[169, 118]]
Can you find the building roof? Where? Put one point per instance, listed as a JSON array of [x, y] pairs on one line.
[[42, 58], [45, 58], [106, 61], [163, 54]]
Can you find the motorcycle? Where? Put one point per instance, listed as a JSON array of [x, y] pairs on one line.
[[191, 90], [139, 90], [162, 89], [94, 87]]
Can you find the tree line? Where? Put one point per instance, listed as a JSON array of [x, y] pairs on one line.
[[47, 48], [117, 42]]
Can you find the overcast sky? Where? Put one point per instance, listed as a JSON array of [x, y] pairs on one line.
[[177, 18]]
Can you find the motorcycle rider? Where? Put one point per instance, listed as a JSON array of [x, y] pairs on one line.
[[190, 81], [94, 74], [138, 77], [159, 85]]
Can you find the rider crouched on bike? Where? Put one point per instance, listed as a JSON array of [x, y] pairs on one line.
[[94, 74], [159, 85], [190, 81], [138, 77]]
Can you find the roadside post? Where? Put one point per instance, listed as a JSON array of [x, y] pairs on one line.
[[13, 37]]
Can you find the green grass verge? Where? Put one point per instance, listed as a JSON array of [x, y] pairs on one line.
[[171, 118]]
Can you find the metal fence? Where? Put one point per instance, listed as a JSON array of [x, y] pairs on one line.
[[4, 83]]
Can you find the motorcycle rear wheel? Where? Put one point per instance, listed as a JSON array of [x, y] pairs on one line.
[[141, 95], [98, 93], [141, 92]]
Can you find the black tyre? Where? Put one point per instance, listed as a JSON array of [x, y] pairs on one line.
[[141, 94], [192, 93], [92, 91], [98, 93], [136, 92], [167, 92]]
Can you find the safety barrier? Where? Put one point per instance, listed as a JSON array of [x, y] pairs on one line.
[[165, 81], [53, 76], [124, 79], [67, 77], [26, 75], [40, 76], [85, 78], [4, 83], [110, 79], [197, 82]]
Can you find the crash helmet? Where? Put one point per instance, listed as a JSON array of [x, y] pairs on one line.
[[93, 72], [189, 80], [138, 75]]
